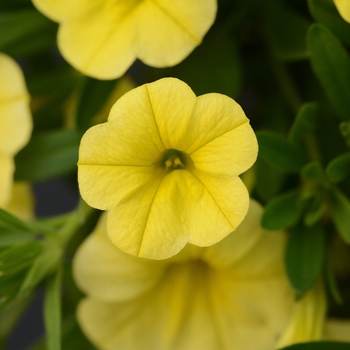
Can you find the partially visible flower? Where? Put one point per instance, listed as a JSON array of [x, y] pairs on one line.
[[103, 38], [232, 295], [343, 7], [337, 330], [166, 167], [308, 318], [15, 122]]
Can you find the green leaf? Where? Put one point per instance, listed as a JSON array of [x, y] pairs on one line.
[[340, 212], [304, 123], [332, 283], [305, 256], [321, 345], [52, 311], [313, 172], [276, 149], [331, 65], [48, 155], [10, 223], [27, 32], [339, 168], [324, 11], [286, 31], [40, 268], [93, 95], [282, 211], [344, 128]]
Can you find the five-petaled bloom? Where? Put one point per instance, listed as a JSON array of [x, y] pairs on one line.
[[232, 295], [15, 122], [103, 38], [165, 166], [343, 7]]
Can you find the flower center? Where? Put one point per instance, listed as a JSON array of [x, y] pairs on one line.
[[174, 160]]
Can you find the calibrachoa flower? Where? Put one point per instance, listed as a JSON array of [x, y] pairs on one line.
[[103, 38], [343, 7], [15, 121], [166, 167], [232, 295]]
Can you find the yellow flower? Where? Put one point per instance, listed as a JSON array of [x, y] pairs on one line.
[[166, 167], [232, 295], [103, 38], [15, 122], [343, 7]]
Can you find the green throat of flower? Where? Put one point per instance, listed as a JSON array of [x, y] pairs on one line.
[[173, 159]]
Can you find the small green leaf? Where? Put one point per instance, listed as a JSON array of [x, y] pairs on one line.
[[319, 345], [282, 211], [331, 64], [340, 212], [10, 223], [276, 149], [40, 268], [48, 155], [52, 311], [93, 95], [325, 12], [305, 256], [339, 168], [313, 172], [304, 123]]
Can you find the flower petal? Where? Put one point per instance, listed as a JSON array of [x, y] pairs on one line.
[[183, 24], [15, 116], [104, 272], [188, 213], [100, 44], [22, 201], [175, 315], [7, 168], [343, 7]]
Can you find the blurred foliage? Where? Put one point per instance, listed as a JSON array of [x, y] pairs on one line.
[[286, 62]]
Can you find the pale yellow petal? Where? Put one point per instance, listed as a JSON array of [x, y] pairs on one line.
[[337, 330], [102, 271], [174, 315], [176, 28], [15, 116], [100, 44], [343, 7], [239, 243], [187, 123], [22, 201], [65, 9], [159, 221], [7, 168]]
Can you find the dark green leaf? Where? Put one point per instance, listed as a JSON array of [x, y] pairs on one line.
[[332, 283], [340, 211], [305, 256], [339, 168], [313, 172], [39, 269], [48, 155], [282, 211], [331, 65], [324, 11], [276, 149], [344, 129], [324, 345], [27, 32], [52, 311], [93, 95], [286, 31], [304, 122]]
